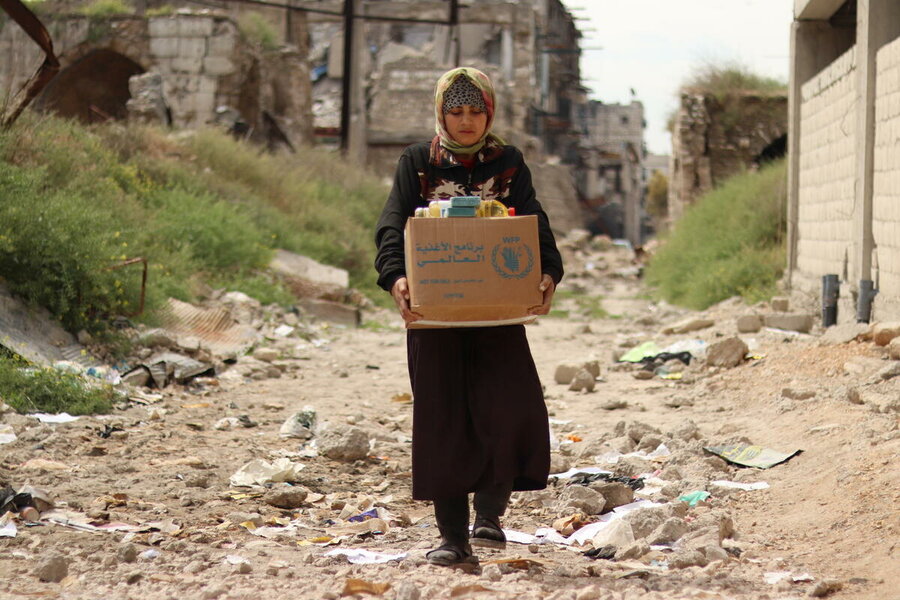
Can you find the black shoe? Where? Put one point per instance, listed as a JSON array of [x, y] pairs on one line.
[[449, 554], [487, 533]]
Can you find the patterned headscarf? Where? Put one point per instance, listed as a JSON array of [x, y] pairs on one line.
[[449, 92]]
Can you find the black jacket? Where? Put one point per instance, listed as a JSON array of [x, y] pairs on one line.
[[425, 174]]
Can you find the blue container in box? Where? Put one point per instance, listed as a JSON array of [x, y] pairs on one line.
[[461, 211], [465, 201]]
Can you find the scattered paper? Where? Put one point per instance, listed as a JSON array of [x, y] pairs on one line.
[[60, 418], [751, 456], [759, 485], [365, 557], [7, 434], [8, 529], [235, 559], [774, 577], [283, 331], [577, 471], [261, 472]]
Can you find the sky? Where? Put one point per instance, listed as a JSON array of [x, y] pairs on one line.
[[653, 46]]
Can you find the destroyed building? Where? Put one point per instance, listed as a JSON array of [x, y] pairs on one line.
[[611, 176], [206, 71], [716, 136], [843, 167]]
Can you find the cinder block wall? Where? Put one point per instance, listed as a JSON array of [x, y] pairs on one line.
[[827, 169], [886, 186]]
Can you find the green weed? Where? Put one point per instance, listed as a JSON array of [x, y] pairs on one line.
[[106, 8], [731, 242], [258, 30], [43, 389]]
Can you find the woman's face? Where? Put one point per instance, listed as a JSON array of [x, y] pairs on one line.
[[465, 124]]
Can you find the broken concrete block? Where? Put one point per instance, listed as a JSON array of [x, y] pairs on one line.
[[54, 568], [583, 382], [286, 497], [565, 373], [749, 324], [688, 325], [291, 265], [138, 377], [616, 494], [668, 532], [883, 333], [266, 354], [801, 322], [844, 333], [727, 353], [580, 498], [798, 394], [341, 442], [333, 312]]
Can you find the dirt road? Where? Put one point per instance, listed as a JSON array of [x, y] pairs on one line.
[[152, 513]]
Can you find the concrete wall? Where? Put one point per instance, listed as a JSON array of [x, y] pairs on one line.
[[827, 168], [886, 191]]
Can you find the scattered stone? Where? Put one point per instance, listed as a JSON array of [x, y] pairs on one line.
[[798, 394], [687, 558], [198, 480], [559, 463], [565, 373], [614, 404], [670, 531], [54, 568], [343, 442], [592, 367], [686, 431], [127, 553], [194, 567], [780, 304], [266, 354], [491, 572], [749, 323], [826, 587], [883, 333], [615, 494], [584, 499], [853, 396], [409, 590], [642, 374], [137, 377], [688, 325], [243, 568], [637, 549], [637, 430], [644, 522], [888, 372], [843, 333], [800, 322], [286, 497], [583, 382], [300, 424], [727, 353], [214, 592], [894, 348]]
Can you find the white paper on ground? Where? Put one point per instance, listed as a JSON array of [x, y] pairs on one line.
[[8, 529], [7, 434], [234, 559], [773, 577], [759, 485], [365, 557], [260, 472], [576, 470], [60, 418]]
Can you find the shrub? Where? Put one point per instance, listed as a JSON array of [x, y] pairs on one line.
[[258, 30], [36, 389], [731, 242]]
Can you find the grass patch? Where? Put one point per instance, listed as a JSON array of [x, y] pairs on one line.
[[730, 243], [204, 210], [37, 389], [100, 9], [257, 30]]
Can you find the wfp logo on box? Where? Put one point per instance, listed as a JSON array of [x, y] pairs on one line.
[[512, 259]]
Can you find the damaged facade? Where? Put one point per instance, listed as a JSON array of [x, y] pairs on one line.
[[843, 167], [202, 70], [611, 175], [716, 137]]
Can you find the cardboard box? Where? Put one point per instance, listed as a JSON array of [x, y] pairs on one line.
[[473, 272]]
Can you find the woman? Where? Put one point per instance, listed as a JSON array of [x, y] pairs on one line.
[[479, 420]]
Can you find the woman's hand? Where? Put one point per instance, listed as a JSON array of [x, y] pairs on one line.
[[547, 287], [400, 292]]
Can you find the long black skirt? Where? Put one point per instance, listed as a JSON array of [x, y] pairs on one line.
[[479, 419]]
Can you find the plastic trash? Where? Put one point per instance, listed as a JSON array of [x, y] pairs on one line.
[[301, 424], [639, 352], [694, 498], [751, 456], [7, 434], [358, 556], [59, 418]]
